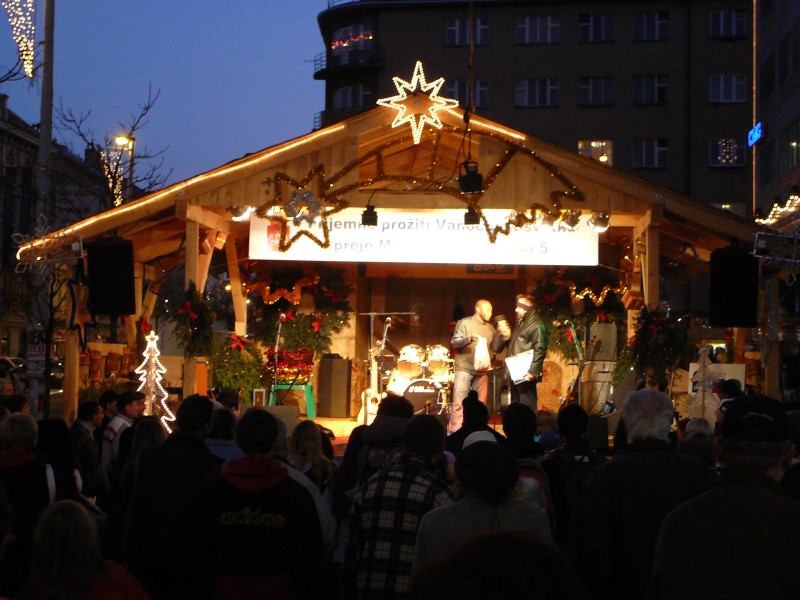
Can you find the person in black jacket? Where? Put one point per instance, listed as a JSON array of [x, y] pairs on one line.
[[163, 541], [529, 334], [261, 526]]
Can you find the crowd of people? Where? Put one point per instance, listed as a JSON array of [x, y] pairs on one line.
[[233, 504]]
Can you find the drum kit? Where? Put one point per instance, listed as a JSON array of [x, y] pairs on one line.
[[424, 376]]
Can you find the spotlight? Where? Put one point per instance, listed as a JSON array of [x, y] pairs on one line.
[[570, 220], [471, 217], [369, 218], [599, 221], [470, 181], [240, 213]]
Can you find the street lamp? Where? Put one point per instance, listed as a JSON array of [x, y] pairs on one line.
[[127, 143]]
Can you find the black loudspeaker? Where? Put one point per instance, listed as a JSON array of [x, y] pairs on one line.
[[733, 290], [334, 387], [110, 272], [597, 433]]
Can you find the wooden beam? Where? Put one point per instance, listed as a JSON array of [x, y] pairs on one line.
[[653, 216], [192, 264], [651, 267], [204, 261], [239, 302], [71, 383], [207, 218]]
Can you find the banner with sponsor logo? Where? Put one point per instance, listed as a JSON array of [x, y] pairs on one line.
[[428, 237]]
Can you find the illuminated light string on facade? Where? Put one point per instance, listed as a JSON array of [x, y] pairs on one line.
[[112, 169], [76, 229], [417, 102], [351, 40], [778, 211], [23, 28]]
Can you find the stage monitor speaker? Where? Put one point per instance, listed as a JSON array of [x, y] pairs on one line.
[[288, 414], [597, 433], [111, 282], [733, 290], [333, 385]]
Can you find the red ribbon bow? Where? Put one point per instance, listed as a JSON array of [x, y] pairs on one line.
[[548, 299], [290, 315], [332, 295], [187, 309], [237, 342], [144, 325], [317, 324]]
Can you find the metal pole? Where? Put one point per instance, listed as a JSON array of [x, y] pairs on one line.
[[129, 184], [46, 108]]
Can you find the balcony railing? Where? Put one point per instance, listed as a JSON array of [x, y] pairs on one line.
[[334, 115]]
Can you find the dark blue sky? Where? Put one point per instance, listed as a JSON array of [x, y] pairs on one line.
[[235, 75]]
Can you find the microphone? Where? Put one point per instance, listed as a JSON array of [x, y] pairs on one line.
[[498, 319], [282, 317], [388, 321]]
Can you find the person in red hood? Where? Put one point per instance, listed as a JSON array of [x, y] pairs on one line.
[[263, 526]]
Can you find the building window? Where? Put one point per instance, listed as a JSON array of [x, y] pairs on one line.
[[349, 40], [650, 153], [601, 150], [650, 89], [538, 30], [651, 26], [352, 96], [542, 91], [596, 91], [595, 28], [789, 147], [726, 152], [727, 24], [457, 32], [789, 55], [727, 88], [460, 90]]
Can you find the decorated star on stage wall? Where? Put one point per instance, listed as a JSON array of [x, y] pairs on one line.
[[418, 102], [304, 205]]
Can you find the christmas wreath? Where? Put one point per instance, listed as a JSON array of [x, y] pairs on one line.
[[193, 323], [655, 350]]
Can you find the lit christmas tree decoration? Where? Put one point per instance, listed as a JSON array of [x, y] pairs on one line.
[[418, 102], [150, 373]]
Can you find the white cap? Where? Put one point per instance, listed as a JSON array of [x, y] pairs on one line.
[[478, 436]]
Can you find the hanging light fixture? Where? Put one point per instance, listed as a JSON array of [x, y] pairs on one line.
[[599, 220], [603, 156], [471, 217], [470, 181], [570, 220], [369, 218], [544, 220]]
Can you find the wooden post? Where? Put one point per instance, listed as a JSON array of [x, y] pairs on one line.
[[771, 352], [239, 302], [192, 260], [71, 383]]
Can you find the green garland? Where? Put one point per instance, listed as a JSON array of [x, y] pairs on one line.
[[305, 330], [193, 323], [238, 364], [654, 351]]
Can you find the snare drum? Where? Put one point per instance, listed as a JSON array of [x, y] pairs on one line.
[[409, 363], [439, 361]]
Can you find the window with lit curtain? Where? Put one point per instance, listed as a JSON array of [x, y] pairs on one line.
[[651, 26], [727, 24], [726, 152], [789, 147], [650, 153], [348, 41], [538, 29]]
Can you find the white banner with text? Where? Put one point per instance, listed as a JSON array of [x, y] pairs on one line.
[[425, 236]]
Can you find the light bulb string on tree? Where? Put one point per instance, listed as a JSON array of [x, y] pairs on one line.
[[151, 372]]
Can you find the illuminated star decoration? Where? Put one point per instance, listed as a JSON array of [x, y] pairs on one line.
[[306, 203], [418, 102], [23, 28]]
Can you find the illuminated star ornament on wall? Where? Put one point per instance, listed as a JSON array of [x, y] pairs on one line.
[[305, 203], [418, 102]]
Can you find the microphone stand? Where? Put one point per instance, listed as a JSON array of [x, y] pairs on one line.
[[581, 362]]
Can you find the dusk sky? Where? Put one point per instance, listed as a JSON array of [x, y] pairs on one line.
[[235, 76]]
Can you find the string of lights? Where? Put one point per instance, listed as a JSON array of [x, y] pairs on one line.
[[23, 28]]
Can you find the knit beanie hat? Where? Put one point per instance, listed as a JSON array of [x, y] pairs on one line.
[[487, 469]]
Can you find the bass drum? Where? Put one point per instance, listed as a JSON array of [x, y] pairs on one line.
[[439, 361], [397, 383], [424, 395], [409, 363]]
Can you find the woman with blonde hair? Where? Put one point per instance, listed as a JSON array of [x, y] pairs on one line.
[[305, 453]]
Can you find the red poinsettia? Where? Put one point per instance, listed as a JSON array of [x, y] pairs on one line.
[[187, 310]]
